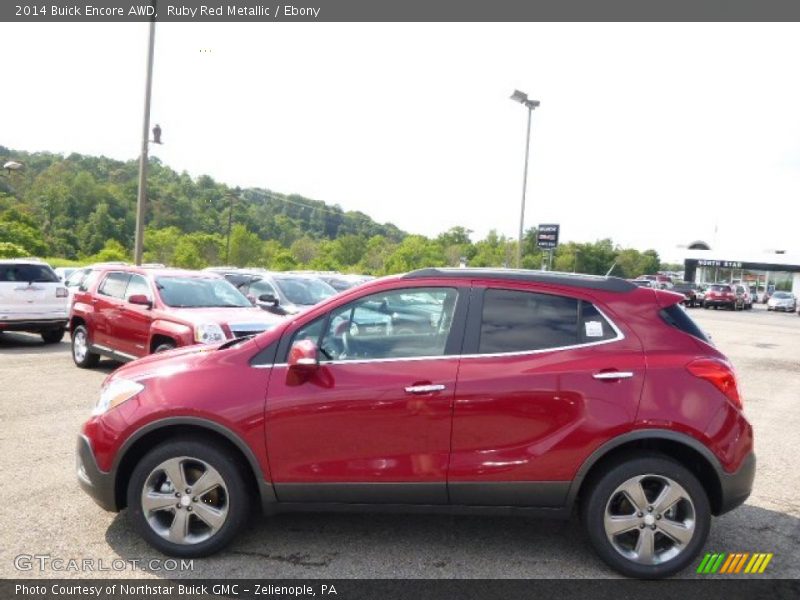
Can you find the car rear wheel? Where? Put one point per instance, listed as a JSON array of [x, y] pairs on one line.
[[647, 517], [53, 336], [188, 498], [81, 355]]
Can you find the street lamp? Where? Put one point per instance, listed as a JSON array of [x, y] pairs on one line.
[[522, 98], [138, 245]]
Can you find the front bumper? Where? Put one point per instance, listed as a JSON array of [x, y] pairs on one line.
[[98, 484], [736, 487]]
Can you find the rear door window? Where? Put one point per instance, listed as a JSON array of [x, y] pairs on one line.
[[114, 285], [515, 321], [518, 321]]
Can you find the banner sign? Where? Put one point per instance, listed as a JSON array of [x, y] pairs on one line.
[[547, 236]]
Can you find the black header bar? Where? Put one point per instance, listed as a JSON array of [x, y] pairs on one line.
[[401, 10]]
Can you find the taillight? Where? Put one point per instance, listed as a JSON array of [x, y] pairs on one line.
[[61, 292], [719, 374]]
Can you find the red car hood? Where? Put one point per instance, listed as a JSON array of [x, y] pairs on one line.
[[225, 316]]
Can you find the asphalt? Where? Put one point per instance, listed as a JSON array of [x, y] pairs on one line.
[[44, 398]]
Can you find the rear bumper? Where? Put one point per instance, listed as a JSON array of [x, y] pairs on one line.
[[98, 484], [736, 487], [33, 324], [719, 302]]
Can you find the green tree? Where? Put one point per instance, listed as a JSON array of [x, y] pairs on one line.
[[246, 247], [9, 250], [112, 251]]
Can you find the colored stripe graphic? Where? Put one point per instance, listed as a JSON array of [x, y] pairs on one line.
[[722, 562]]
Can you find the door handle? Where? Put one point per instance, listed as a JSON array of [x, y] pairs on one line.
[[424, 389], [612, 375]]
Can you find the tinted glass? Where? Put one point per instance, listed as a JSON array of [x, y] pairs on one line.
[[138, 285], [677, 316], [31, 273], [515, 321], [362, 330], [114, 285], [199, 292]]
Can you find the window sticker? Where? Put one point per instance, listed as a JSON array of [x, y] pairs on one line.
[[594, 329]]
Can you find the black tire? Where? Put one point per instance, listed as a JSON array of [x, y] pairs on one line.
[[238, 495], [53, 336], [164, 346], [601, 492], [90, 359]]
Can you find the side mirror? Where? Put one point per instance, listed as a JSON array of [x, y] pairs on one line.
[[303, 355], [141, 300], [269, 299]]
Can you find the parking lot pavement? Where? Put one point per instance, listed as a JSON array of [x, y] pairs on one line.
[[44, 398]]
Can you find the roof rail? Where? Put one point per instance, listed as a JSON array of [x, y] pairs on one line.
[[595, 282]]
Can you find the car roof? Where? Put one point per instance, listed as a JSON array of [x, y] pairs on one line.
[[594, 282], [158, 271]]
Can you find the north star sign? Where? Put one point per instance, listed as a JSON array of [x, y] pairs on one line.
[[725, 264]]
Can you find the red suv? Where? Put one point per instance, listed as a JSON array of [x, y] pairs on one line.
[[527, 392], [126, 312], [725, 296]]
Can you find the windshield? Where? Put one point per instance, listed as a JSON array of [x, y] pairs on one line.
[[781, 295], [304, 291], [198, 292]]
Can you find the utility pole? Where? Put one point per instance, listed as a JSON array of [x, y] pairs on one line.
[[142, 195]]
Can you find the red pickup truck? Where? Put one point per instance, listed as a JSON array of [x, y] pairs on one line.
[[125, 312]]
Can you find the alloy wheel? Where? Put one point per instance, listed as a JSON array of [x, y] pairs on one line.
[[185, 500], [649, 519]]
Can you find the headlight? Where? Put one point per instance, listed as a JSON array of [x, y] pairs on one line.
[[116, 393], [208, 333]]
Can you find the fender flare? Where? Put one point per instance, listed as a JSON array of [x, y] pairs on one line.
[[265, 488], [632, 436]]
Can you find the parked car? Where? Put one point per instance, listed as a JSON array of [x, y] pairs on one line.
[[64, 272], [127, 312], [723, 295], [32, 299], [743, 292], [689, 291], [661, 282], [536, 393], [279, 293], [342, 282], [782, 301]]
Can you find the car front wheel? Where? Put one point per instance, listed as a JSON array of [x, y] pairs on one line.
[[81, 355], [188, 498], [647, 517]]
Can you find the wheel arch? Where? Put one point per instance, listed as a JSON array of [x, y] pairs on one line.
[[154, 433], [688, 451]]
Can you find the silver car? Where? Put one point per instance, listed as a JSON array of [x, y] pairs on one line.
[[782, 301]]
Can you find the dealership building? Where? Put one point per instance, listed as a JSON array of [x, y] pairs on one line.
[[767, 270]]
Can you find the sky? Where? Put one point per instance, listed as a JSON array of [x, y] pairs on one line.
[[655, 135]]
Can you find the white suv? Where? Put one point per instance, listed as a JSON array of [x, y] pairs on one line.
[[32, 298]]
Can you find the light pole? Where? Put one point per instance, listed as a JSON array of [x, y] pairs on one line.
[[138, 245], [522, 98]]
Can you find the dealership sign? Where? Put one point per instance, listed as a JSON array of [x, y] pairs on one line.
[[547, 236], [726, 264]]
